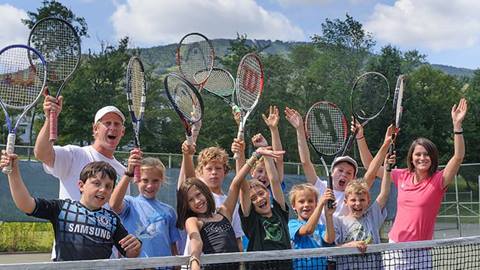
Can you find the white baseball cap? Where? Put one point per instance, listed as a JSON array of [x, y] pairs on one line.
[[108, 109], [347, 159]]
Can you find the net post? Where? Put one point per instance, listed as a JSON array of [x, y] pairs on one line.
[[457, 204]]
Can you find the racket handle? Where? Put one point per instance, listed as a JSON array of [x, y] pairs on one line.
[[189, 140], [10, 147], [240, 136], [136, 173], [391, 149], [53, 125], [330, 186]]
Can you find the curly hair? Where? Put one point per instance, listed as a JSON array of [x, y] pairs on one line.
[[358, 186], [210, 154]]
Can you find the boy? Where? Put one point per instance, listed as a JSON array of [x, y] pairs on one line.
[[146, 217], [84, 230], [361, 226]]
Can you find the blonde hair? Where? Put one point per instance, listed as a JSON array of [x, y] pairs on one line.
[[210, 154], [358, 186], [292, 195], [260, 161], [154, 163], [256, 183]]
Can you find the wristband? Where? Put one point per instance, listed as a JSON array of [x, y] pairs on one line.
[[129, 174], [192, 259], [458, 131], [251, 161]]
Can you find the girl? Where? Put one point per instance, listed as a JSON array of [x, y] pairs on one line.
[[305, 232], [210, 229]]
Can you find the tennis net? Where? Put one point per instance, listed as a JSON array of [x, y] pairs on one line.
[[458, 253]]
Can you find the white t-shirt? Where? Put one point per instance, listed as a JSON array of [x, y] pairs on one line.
[[342, 209], [236, 223], [69, 162]]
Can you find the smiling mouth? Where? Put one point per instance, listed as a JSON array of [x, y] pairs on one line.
[[111, 137]]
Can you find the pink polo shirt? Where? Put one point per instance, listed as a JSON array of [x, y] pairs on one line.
[[417, 206]]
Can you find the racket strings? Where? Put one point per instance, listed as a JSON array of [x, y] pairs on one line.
[[185, 100], [220, 82], [136, 96], [369, 95], [249, 82], [326, 127], [195, 53], [21, 79], [59, 44]]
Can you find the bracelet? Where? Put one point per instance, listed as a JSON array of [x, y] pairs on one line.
[[192, 259], [129, 174], [363, 137], [458, 131], [256, 155], [251, 161]]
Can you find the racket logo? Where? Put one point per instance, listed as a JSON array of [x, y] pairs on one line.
[[325, 125], [250, 80]]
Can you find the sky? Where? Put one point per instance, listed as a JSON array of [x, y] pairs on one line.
[[447, 31]]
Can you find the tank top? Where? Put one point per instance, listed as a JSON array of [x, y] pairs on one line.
[[218, 237]]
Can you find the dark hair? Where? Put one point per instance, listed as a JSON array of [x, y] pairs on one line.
[[432, 153], [183, 210], [102, 167]]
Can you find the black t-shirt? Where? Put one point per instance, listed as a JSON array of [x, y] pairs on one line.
[[267, 233], [81, 234]]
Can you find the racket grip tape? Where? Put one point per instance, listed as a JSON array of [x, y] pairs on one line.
[[189, 140], [53, 125], [240, 136], [330, 186], [10, 148]]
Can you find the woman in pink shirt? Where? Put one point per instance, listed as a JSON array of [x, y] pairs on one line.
[[421, 185]]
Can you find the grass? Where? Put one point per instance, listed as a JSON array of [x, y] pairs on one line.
[[26, 237]]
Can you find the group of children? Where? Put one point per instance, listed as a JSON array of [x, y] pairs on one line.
[[206, 219]]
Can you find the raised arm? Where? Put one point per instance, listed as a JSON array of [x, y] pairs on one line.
[[118, 194], [365, 155], [377, 161], [272, 122], [43, 146], [386, 181], [458, 115], [22, 198], [330, 230], [238, 146], [295, 119], [187, 169], [312, 222]]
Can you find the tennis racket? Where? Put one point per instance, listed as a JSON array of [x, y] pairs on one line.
[[326, 129], [58, 42], [249, 88], [195, 53], [136, 95], [186, 101], [368, 98], [397, 114], [220, 84], [23, 73]]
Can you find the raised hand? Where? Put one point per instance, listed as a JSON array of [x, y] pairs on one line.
[[294, 118], [134, 160], [188, 149], [356, 126], [273, 117], [259, 141], [267, 151], [238, 146], [51, 103], [458, 113]]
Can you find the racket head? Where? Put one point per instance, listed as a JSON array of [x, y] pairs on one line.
[[195, 53], [185, 99], [136, 88], [397, 100], [326, 128], [369, 95], [58, 42], [249, 83], [23, 75], [220, 82]]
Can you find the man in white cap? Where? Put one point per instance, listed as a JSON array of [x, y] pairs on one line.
[[66, 162]]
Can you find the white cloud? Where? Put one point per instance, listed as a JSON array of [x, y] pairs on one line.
[[152, 22], [13, 30], [432, 24]]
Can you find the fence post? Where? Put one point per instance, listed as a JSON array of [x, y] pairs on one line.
[[459, 224], [169, 161]]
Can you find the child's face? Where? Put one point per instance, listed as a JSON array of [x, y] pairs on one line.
[[96, 191], [213, 174], [342, 174], [304, 204], [197, 202], [261, 174], [261, 200], [151, 180], [357, 203]]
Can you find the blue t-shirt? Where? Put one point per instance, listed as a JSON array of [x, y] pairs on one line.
[[314, 240], [151, 221]]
